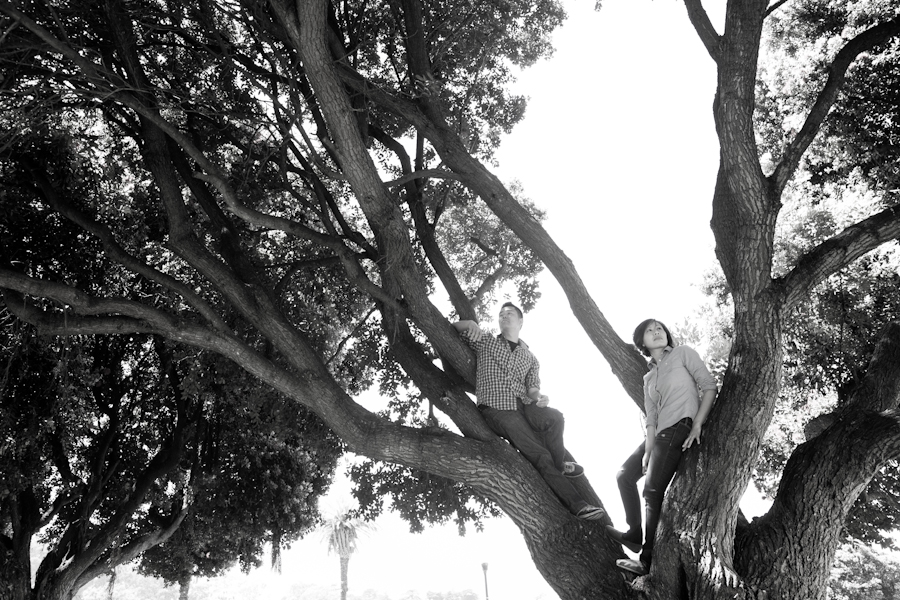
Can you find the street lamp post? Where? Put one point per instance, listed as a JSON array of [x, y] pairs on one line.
[[484, 568]]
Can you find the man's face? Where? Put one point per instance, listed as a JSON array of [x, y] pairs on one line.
[[510, 319]]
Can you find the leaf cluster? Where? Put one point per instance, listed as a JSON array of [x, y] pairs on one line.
[[861, 573], [420, 498], [260, 468], [84, 420]]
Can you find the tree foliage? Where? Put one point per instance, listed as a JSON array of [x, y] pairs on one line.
[[861, 573], [118, 442], [262, 468]]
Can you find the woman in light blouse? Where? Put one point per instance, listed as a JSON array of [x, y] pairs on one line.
[[678, 395]]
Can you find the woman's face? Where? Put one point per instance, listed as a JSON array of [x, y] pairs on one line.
[[655, 337]]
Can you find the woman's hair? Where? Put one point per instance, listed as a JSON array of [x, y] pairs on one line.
[[638, 337]]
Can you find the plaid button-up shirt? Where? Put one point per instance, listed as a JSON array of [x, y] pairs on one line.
[[503, 375]]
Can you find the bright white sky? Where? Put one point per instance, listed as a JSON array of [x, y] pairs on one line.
[[618, 146]]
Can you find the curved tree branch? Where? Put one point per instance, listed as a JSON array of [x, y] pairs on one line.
[[837, 71], [825, 475], [120, 315], [772, 8], [837, 252], [308, 382]]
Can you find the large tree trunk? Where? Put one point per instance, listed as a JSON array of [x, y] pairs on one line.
[[788, 553]]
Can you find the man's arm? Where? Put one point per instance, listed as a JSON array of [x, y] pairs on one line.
[[470, 329], [537, 397]]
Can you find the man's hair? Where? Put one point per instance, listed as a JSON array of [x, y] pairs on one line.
[[638, 337], [510, 304]]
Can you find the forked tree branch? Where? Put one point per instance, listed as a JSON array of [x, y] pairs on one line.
[[306, 30], [704, 28], [837, 71], [825, 475], [425, 230]]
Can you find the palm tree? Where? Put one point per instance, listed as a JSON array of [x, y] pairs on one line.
[[341, 531]]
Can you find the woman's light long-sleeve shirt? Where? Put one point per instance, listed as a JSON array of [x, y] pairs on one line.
[[672, 386]]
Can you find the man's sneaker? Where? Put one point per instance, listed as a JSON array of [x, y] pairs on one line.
[[620, 537], [572, 469], [632, 566], [591, 513]]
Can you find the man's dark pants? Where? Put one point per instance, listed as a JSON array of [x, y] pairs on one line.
[[537, 433], [664, 461]]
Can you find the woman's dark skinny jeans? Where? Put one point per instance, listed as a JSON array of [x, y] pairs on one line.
[[664, 461]]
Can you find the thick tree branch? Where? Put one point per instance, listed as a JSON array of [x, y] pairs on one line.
[[253, 301], [445, 391], [425, 230], [120, 315], [628, 366], [879, 390], [383, 215], [825, 475], [310, 385], [837, 252], [821, 482], [837, 71], [704, 28]]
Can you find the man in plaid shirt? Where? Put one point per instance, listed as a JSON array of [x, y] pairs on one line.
[[508, 388]]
